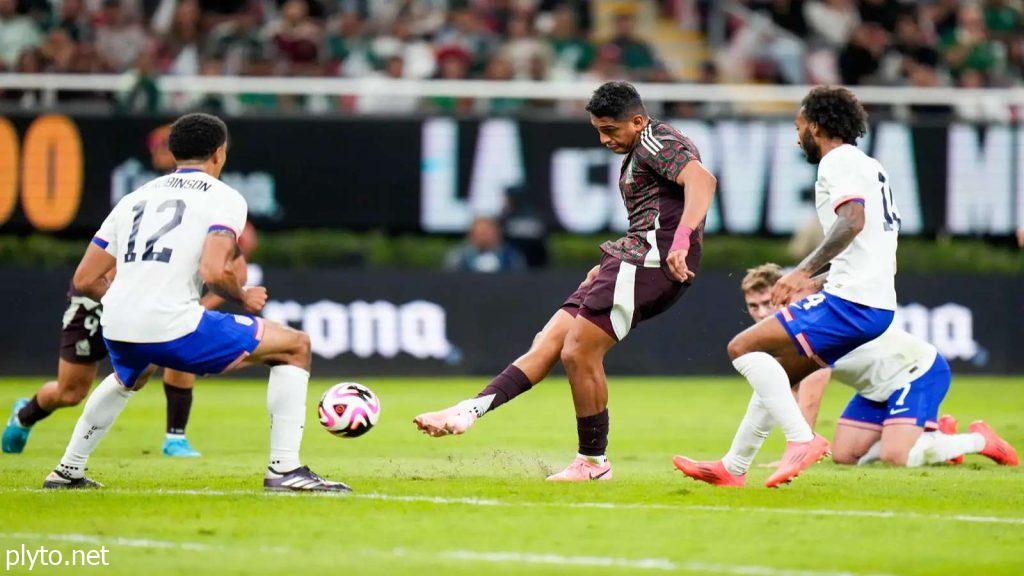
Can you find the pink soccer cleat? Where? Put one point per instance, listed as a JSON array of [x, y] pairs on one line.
[[948, 425], [583, 470], [996, 448], [798, 457], [454, 420], [711, 472]]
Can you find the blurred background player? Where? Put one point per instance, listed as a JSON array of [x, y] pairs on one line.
[[152, 311], [900, 379], [856, 210], [667, 193]]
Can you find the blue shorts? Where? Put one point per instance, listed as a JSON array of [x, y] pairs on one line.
[[824, 327], [916, 403], [219, 343]]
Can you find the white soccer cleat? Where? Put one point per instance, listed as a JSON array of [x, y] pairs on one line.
[[454, 420]]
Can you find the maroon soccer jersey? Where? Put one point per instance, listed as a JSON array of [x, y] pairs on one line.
[[653, 199]]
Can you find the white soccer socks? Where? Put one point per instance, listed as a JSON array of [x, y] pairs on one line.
[[751, 434], [770, 382], [936, 447], [101, 409], [286, 402]]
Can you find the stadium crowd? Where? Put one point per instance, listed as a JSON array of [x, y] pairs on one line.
[[886, 42]]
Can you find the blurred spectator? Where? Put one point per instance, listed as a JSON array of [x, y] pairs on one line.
[[416, 54], [17, 34], [789, 14], [296, 35], [179, 47], [453, 63], [236, 41], [636, 55], [833, 21], [500, 69], [74, 20], [1003, 20], [572, 52], [466, 33], [968, 45], [925, 76], [524, 49], [484, 250], [862, 57], [120, 39], [911, 42]]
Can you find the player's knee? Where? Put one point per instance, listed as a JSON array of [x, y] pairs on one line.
[[893, 457], [844, 458], [303, 348], [73, 395], [571, 353]]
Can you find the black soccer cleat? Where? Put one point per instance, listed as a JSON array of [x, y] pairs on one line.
[[57, 480], [301, 479]]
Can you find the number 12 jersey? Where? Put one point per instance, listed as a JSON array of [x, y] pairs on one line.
[[157, 234]]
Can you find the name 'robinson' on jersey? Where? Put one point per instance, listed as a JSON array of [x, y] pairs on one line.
[[157, 234]]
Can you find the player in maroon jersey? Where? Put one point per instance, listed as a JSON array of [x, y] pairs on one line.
[[667, 193]]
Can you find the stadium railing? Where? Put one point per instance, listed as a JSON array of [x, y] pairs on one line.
[[51, 84]]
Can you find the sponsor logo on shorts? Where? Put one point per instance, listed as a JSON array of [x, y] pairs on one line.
[[244, 320], [83, 348]]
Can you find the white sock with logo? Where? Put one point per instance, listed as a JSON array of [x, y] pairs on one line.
[[751, 434], [770, 382], [936, 447], [286, 402], [101, 409]]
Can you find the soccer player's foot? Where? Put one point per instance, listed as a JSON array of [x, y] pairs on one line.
[[454, 420], [57, 480], [179, 448], [798, 457], [583, 469], [301, 479], [948, 425], [16, 435], [996, 448], [710, 472]]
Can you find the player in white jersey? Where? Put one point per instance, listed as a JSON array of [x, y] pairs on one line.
[[166, 240], [900, 382], [860, 223]]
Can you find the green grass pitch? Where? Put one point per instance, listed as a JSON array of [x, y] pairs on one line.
[[477, 504]]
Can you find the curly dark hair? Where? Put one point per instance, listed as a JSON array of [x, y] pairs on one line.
[[617, 100], [837, 111], [195, 137]]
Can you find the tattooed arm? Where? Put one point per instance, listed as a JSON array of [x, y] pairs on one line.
[[218, 270], [842, 233]]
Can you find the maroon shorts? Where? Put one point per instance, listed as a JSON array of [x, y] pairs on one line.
[[623, 295], [81, 338]]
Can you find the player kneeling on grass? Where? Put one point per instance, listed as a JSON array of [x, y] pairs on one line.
[[900, 381], [667, 192], [165, 240]]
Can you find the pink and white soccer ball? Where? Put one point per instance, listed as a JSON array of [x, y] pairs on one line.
[[348, 409]]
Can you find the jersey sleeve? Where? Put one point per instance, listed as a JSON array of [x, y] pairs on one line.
[[230, 213], [106, 236], [667, 158], [842, 182]]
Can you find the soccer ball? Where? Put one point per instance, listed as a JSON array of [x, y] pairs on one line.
[[348, 410]]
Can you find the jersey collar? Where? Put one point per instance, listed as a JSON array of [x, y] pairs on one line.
[[187, 170]]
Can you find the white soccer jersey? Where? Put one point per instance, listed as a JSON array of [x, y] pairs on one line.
[[865, 272], [886, 364], [157, 234]]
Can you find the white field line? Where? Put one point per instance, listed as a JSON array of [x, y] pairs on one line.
[[111, 541], [485, 502], [653, 564]]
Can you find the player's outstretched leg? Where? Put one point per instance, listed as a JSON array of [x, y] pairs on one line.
[[731, 470], [518, 377], [765, 356], [71, 387], [287, 352], [178, 390], [583, 357], [102, 408]]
